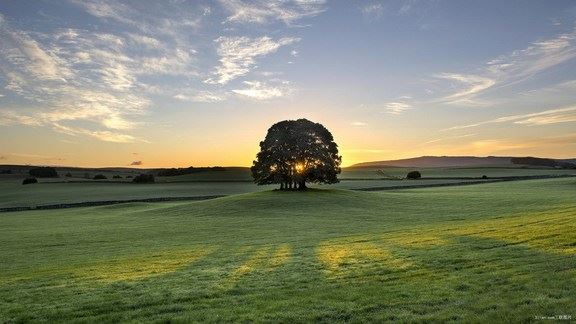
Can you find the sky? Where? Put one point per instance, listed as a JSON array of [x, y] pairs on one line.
[[198, 83]]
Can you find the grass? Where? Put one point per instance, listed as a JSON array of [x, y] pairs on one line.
[[492, 252], [232, 181]]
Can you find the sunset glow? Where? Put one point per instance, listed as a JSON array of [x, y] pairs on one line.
[[155, 84]]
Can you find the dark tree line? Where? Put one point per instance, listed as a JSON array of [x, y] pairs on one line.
[[43, 172], [543, 162], [182, 171], [295, 152]]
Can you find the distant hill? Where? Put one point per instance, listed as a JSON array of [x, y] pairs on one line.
[[446, 161]]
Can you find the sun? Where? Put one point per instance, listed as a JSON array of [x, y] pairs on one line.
[[299, 167]]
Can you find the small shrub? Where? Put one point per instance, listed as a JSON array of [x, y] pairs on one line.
[[128, 177], [68, 175], [484, 177], [100, 177], [29, 181], [143, 178], [117, 176], [412, 175], [43, 172]]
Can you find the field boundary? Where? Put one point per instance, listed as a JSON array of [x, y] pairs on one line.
[[193, 198], [451, 184], [105, 203]]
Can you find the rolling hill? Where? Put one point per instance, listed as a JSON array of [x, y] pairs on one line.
[[445, 161]]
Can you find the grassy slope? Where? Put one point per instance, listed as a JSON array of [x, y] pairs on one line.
[[491, 252], [233, 181]]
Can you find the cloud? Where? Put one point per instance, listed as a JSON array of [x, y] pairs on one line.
[[473, 84], [259, 91], [90, 83], [144, 40], [19, 48], [136, 163], [200, 96], [509, 69], [372, 11], [266, 11], [397, 107], [8, 118], [497, 145], [238, 55], [358, 124], [444, 139], [539, 56], [553, 116]]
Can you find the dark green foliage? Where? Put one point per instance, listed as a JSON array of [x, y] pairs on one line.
[[543, 162], [117, 176], [144, 178], [484, 177], [412, 175], [100, 177], [295, 152], [182, 171], [6, 171], [43, 172], [29, 181], [128, 177], [68, 175]]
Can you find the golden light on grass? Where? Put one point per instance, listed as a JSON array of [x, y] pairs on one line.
[[281, 256], [255, 261], [141, 266], [341, 258], [527, 230]]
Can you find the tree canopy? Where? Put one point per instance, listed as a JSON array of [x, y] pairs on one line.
[[295, 152]]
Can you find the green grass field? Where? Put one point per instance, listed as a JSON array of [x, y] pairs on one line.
[[232, 181], [493, 252]]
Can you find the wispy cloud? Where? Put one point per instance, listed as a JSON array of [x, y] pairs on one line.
[[136, 163], [358, 124], [261, 91], [473, 84], [490, 146], [372, 11], [92, 83], [553, 116], [266, 11], [238, 55], [397, 107], [201, 96], [512, 68], [450, 138]]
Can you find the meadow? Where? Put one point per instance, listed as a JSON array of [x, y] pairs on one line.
[[496, 252], [76, 189]]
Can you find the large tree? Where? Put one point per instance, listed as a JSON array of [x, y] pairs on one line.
[[295, 152]]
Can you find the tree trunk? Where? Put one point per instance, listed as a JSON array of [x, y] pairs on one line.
[[302, 185], [281, 185]]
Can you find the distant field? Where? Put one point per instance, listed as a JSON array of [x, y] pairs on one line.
[[13, 194], [491, 172], [233, 181], [492, 253]]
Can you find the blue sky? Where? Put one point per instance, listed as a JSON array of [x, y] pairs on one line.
[[177, 83]]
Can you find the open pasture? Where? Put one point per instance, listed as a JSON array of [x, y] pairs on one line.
[[467, 253], [65, 190]]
